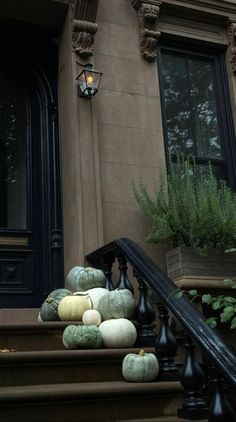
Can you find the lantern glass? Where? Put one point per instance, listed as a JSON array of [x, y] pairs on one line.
[[88, 82]]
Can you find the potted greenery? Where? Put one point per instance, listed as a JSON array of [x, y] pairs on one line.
[[196, 216]]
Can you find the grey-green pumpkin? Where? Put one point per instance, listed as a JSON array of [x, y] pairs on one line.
[[49, 308], [71, 276], [82, 336], [118, 303], [69, 337], [88, 278], [141, 367]]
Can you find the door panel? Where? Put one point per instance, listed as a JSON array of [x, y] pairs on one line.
[[30, 209]]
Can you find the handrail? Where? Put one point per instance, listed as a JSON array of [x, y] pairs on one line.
[[210, 341]]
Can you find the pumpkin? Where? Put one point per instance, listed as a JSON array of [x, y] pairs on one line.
[[69, 337], [91, 317], [141, 367], [94, 294], [89, 278], [49, 309], [71, 308], [71, 276], [117, 333], [39, 318], [82, 336], [118, 303]]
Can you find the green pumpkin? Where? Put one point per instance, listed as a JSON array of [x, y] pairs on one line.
[[71, 276], [69, 337], [142, 367], [118, 303], [88, 278], [82, 336], [49, 309]]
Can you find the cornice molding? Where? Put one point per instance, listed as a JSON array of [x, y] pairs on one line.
[[223, 7], [84, 26], [232, 44], [148, 13]]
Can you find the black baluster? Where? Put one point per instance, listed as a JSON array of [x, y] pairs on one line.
[[144, 315], [124, 282], [107, 269], [166, 347], [192, 379], [220, 409]]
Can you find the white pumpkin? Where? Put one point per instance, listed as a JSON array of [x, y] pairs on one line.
[[73, 309], [39, 318], [91, 317], [117, 333], [95, 294]]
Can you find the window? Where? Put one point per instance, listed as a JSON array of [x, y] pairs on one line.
[[196, 113]]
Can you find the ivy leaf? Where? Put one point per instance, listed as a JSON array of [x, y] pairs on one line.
[[227, 314], [233, 323], [230, 250], [212, 322], [178, 294], [228, 282], [229, 299], [193, 292], [207, 299], [216, 304]]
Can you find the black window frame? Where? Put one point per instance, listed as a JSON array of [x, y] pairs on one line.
[[224, 111]]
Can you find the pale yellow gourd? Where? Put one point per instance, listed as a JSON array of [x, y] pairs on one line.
[[71, 308], [91, 317]]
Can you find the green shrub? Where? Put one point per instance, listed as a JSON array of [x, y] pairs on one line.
[[189, 207]]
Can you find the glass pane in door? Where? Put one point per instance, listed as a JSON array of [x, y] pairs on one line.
[[13, 154]]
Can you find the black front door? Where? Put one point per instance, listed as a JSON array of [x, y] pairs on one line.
[[30, 219]]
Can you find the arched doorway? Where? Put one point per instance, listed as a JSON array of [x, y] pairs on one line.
[[30, 209]]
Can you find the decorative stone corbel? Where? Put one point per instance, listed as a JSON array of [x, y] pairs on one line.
[[232, 44], [84, 26], [148, 11]]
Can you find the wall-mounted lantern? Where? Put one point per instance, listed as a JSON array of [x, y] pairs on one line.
[[88, 81]]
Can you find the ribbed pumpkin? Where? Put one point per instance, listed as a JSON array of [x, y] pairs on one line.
[[49, 309], [118, 303], [71, 276], [141, 367], [82, 336], [71, 308], [88, 278], [95, 294], [117, 333], [69, 337]]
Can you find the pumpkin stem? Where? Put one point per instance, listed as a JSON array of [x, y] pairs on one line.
[[142, 353], [49, 300]]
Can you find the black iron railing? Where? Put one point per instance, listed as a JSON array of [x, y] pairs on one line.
[[158, 296]]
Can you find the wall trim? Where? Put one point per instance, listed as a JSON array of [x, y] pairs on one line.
[[84, 26]]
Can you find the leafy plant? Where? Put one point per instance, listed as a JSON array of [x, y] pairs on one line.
[[189, 207]]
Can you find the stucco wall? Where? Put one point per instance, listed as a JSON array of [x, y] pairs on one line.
[[130, 138], [115, 138]]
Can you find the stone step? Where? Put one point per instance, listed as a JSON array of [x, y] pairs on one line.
[[90, 402], [32, 336], [62, 366]]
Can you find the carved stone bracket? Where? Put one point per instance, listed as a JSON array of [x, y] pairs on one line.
[[84, 26], [148, 11], [232, 44]]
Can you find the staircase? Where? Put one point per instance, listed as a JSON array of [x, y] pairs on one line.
[[40, 381]]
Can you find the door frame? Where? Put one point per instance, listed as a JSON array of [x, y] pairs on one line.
[[45, 89]]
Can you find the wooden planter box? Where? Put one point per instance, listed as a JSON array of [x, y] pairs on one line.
[[184, 264]]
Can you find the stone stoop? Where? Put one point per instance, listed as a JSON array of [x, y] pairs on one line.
[[42, 382]]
